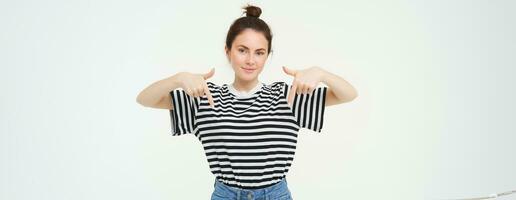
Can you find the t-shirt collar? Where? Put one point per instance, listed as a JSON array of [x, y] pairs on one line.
[[244, 93]]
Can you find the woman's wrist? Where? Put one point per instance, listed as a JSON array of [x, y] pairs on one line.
[[173, 82], [323, 75]]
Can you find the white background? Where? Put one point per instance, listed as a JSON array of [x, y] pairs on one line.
[[434, 118]]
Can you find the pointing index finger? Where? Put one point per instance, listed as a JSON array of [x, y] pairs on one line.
[[208, 94], [291, 93]]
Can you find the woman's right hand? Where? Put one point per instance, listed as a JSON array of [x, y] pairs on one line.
[[195, 84]]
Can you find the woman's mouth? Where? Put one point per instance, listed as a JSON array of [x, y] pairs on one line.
[[248, 70]]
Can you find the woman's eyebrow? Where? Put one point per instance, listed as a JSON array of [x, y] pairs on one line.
[[248, 48]]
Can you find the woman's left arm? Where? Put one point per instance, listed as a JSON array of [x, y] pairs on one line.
[[306, 80], [339, 90]]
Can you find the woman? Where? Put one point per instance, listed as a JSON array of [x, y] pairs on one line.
[[248, 128]]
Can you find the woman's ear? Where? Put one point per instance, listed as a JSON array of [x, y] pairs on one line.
[[226, 50]]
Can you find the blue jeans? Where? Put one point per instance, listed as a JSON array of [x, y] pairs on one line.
[[278, 191]]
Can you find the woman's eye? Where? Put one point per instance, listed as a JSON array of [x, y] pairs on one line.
[[241, 50]]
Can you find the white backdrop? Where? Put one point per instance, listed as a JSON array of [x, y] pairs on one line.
[[434, 118]]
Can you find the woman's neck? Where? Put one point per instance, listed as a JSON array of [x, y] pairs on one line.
[[245, 86]]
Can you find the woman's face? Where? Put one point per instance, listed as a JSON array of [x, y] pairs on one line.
[[248, 54]]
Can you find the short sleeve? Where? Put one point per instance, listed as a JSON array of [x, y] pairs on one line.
[[183, 114], [308, 109]]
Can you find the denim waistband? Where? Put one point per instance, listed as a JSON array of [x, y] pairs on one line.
[[276, 189]]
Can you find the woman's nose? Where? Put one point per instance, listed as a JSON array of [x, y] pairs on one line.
[[250, 59]]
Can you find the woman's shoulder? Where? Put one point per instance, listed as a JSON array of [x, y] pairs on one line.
[[278, 85], [213, 85], [276, 88], [217, 88]]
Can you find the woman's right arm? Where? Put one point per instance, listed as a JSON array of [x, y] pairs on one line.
[[157, 95]]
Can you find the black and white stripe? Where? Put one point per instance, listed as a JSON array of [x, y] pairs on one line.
[[249, 142], [183, 114], [309, 108]]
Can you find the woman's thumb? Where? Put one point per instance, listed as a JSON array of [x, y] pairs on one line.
[[289, 71], [209, 74]]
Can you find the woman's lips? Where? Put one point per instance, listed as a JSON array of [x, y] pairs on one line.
[[248, 70]]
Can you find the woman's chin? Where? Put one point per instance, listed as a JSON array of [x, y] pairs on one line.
[[247, 77]]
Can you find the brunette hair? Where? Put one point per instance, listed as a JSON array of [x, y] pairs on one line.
[[251, 20]]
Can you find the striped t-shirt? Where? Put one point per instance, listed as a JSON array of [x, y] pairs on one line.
[[249, 141]]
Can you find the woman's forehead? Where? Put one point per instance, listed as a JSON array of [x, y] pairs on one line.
[[251, 39]]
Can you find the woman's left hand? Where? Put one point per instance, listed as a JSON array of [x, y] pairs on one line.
[[305, 81]]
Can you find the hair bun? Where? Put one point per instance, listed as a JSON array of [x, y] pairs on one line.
[[252, 11]]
